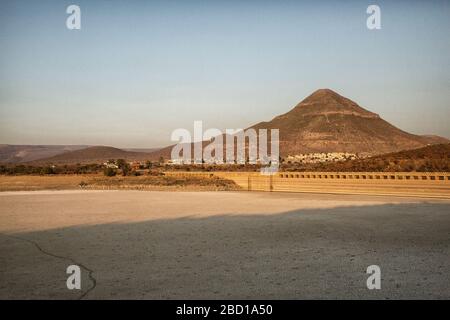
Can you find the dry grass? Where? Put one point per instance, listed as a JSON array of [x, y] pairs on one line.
[[162, 183], [68, 182], [30, 182]]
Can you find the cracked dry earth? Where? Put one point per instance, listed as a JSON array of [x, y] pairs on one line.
[[222, 245], [67, 260]]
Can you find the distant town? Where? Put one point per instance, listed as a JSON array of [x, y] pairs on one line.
[[320, 157]]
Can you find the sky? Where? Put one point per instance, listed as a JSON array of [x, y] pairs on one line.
[[137, 70]]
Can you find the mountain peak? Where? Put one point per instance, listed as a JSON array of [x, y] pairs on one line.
[[325, 121], [327, 101], [324, 92], [324, 95]]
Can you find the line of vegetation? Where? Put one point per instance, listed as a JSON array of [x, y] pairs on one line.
[[21, 169], [141, 182], [434, 158]]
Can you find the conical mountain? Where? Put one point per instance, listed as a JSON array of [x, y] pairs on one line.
[[328, 122]]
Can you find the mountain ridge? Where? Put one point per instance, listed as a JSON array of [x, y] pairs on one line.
[[93, 154], [324, 121], [328, 122]]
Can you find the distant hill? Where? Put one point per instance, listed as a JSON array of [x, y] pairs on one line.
[[146, 150], [434, 158], [328, 122], [97, 154], [323, 122], [25, 153]]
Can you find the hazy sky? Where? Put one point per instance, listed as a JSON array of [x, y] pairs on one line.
[[139, 69]]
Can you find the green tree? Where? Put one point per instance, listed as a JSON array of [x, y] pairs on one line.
[[47, 170], [121, 163], [124, 166], [109, 172], [125, 169]]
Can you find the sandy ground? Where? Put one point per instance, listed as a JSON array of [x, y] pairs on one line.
[[222, 245]]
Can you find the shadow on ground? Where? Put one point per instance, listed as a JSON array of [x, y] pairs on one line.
[[302, 254]]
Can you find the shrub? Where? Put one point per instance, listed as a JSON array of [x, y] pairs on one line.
[[83, 184], [47, 170], [125, 169], [120, 163], [109, 172]]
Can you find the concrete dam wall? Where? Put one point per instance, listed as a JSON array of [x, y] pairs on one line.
[[420, 184]]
